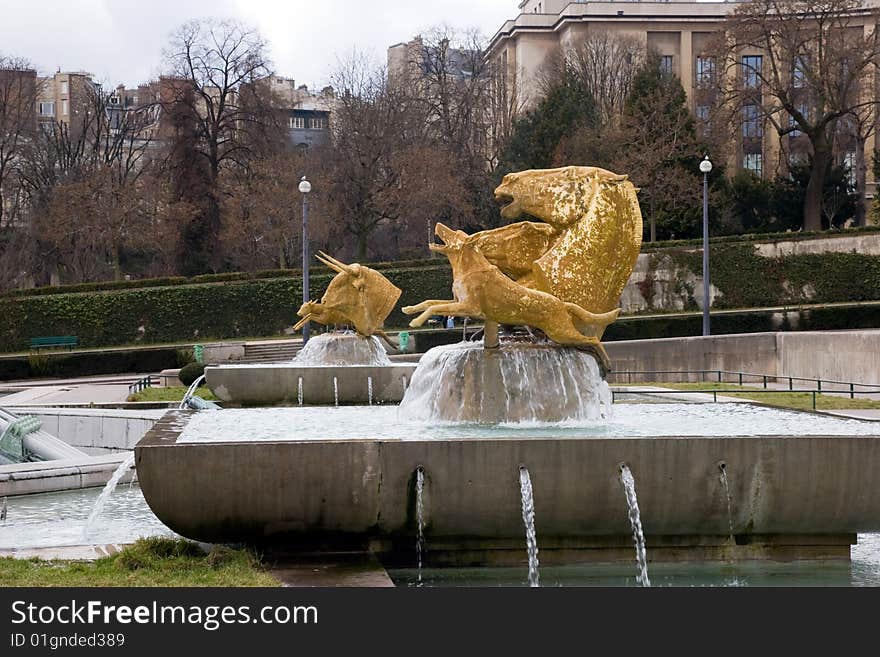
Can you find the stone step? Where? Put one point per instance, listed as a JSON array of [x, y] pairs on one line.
[[265, 352]]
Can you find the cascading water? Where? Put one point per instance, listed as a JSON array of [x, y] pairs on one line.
[[726, 485], [335, 392], [420, 519], [339, 349], [106, 493], [632, 502], [370, 390], [528, 514], [520, 382], [299, 391]]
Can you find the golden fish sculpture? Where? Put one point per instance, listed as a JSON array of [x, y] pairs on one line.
[[563, 274], [357, 296]]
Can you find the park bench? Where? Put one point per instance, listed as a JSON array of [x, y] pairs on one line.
[[69, 341]]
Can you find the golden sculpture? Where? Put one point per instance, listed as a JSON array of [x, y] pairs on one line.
[[563, 276], [357, 295]]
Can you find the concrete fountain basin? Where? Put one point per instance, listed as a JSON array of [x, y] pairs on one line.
[[790, 497]]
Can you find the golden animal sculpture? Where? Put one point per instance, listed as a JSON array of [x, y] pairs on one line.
[[563, 276], [357, 295]]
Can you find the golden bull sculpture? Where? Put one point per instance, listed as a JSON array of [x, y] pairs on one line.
[[357, 296], [563, 274]]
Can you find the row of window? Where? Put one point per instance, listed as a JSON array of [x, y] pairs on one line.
[[314, 123], [750, 66]]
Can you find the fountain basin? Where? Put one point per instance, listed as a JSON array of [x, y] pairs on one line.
[[280, 384], [790, 496]]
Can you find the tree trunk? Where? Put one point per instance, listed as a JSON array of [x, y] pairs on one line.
[[362, 246], [816, 185]]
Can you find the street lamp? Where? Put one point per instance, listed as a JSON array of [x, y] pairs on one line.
[[305, 187], [706, 167]]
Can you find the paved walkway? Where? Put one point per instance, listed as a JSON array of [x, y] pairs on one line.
[[48, 395]]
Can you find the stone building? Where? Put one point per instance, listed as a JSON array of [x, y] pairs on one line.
[[680, 33]]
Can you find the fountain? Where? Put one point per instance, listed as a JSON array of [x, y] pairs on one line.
[[349, 367], [532, 392]]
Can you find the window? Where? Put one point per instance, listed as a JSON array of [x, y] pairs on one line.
[[754, 162], [752, 128], [703, 112], [64, 107], [297, 122], [751, 67], [65, 88], [849, 162], [799, 72], [318, 123], [47, 109], [666, 63], [805, 111], [705, 71]]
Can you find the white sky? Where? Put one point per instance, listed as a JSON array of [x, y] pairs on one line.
[[122, 40]]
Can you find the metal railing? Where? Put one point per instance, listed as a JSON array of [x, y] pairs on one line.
[[141, 384], [741, 378]]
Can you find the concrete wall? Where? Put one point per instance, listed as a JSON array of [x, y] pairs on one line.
[[837, 355], [345, 490], [65, 474], [96, 431]]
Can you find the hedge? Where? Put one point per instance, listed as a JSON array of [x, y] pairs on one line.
[[746, 279], [188, 313], [819, 318], [88, 363]]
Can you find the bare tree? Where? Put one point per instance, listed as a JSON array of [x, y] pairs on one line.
[[213, 68], [605, 63], [19, 90], [798, 65]]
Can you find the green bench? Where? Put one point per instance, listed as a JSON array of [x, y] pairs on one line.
[[69, 341]]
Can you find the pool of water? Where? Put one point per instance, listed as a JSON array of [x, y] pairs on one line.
[[56, 519], [629, 420]]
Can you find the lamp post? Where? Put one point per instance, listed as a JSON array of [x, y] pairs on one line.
[[706, 167], [305, 187]]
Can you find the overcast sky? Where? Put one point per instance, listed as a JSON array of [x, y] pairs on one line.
[[122, 40]]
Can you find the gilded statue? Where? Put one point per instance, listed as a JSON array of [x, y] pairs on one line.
[[562, 274], [357, 296]]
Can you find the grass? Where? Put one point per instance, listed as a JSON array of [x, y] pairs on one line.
[[148, 562], [781, 398], [175, 393]]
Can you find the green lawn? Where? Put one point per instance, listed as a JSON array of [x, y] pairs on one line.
[[782, 398], [168, 394], [148, 562]]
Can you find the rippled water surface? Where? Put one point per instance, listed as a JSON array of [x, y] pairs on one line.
[[629, 420]]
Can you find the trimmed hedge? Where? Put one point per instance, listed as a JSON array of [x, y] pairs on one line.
[[88, 363], [747, 279], [797, 319], [188, 313]]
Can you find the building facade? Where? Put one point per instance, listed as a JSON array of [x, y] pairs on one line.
[[680, 33]]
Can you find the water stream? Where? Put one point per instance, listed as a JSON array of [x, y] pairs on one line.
[[370, 390], [726, 485], [106, 493], [632, 502], [299, 391], [335, 392], [528, 514], [420, 538]]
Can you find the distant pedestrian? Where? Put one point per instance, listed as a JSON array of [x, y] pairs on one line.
[[450, 322]]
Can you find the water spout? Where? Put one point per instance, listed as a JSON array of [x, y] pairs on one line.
[[299, 391], [106, 493], [370, 390], [632, 502], [528, 514], [420, 518], [3, 510], [722, 466], [335, 392]]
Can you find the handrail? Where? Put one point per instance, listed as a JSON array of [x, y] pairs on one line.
[[141, 384], [715, 393], [765, 378]]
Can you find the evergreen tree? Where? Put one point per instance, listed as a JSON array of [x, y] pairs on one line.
[[540, 135]]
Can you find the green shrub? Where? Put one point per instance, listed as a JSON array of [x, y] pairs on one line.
[[189, 373], [185, 357], [40, 364]]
